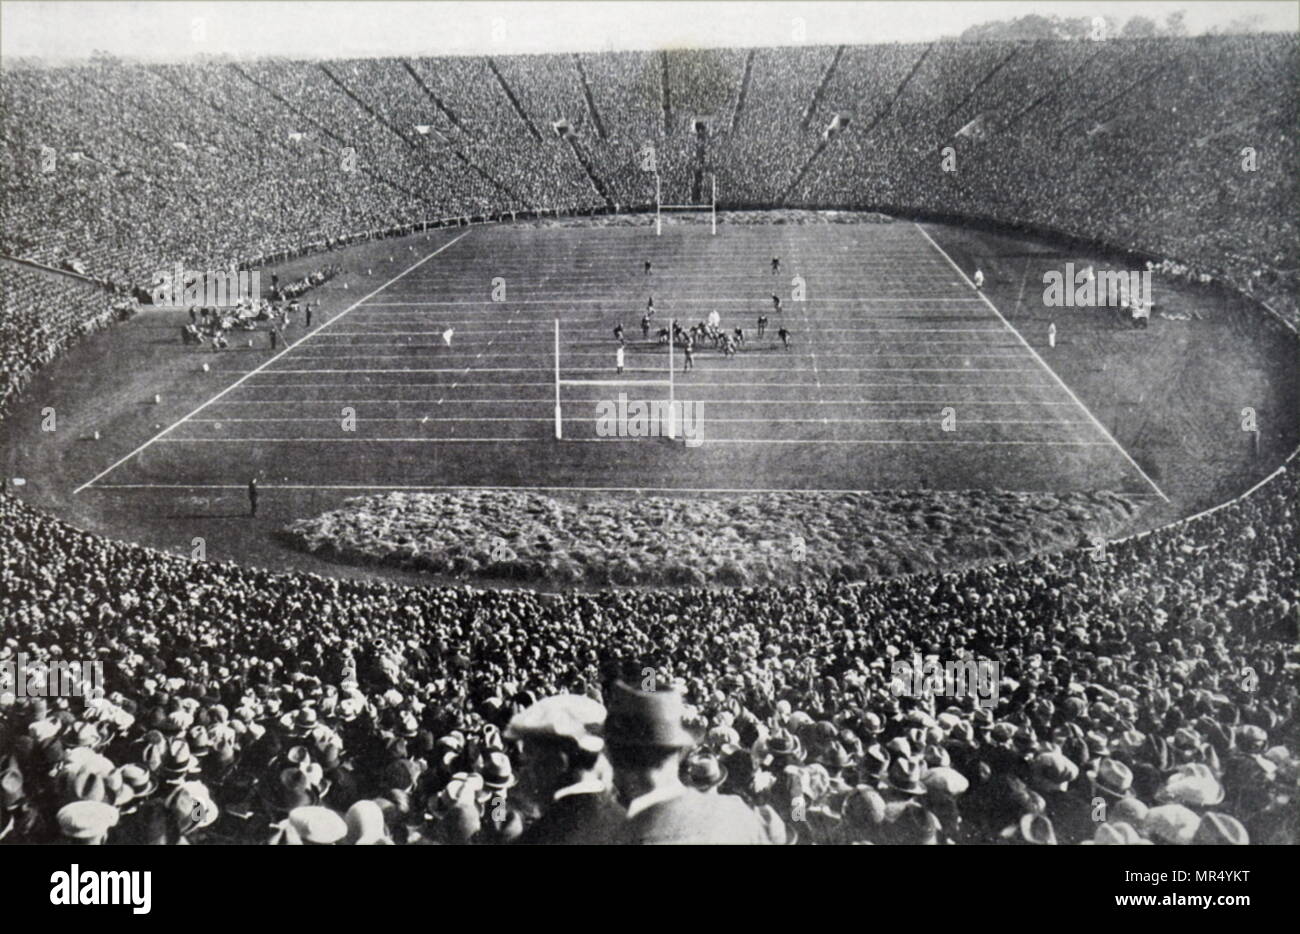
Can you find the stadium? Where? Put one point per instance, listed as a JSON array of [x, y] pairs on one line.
[[904, 448]]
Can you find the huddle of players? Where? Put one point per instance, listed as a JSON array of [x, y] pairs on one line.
[[686, 338]]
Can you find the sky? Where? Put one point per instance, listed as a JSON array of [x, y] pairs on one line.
[[176, 30]]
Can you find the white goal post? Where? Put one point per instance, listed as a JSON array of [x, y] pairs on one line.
[[669, 382], [660, 207]]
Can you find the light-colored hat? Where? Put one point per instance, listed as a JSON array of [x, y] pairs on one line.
[[1129, 809], [1032, 828], [568, 716], [900, 747], [1111, 776], [1172, 823], [1129, 741], [42, 731], [1251, 738], [1194, 785], [366, 827], [1221, 830], [945, 781], [865, 806], [463, 788], [192, 806], [87, 820], [318, 825], [724, 738], [1119, 833], [1052, 770]]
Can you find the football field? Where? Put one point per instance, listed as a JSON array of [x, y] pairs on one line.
[[441, 373]]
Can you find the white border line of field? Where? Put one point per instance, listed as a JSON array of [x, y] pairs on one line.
[[306, 337], [513, 489], [630, 440], [1043, 363]]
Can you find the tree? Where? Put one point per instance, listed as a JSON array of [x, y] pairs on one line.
[[1074, 27], [1032, 26], [1139, 27], [1241, 26], [1176, 23]]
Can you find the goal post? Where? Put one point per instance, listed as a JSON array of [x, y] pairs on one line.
[[559, 421], [561, 381], [711, 207]]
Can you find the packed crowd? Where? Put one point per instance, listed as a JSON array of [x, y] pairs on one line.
[[40, 315], [1147, 692], [1178, 147]]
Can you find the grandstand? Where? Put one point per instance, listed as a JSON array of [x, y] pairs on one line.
[[427, 179]]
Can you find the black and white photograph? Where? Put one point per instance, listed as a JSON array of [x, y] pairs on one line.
[[601, 423]]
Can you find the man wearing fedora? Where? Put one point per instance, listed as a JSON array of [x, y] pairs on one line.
[[564, 771], [21, 820], [647, 743]]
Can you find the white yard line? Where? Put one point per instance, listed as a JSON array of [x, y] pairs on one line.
[[423, 419], [657, 382], [1043, 363], [552, 302], [537, 328], [266, 363], [513, 385], [602, 355], [631, 369], [551, 441]]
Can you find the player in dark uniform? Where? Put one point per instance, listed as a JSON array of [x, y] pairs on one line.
[[776, 265], [739, 335], [762, 325], [776, 301], [647, 267], [252, 497], [650, 306], [688, 352], [618, 334], [785, 337], [645, 327]]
